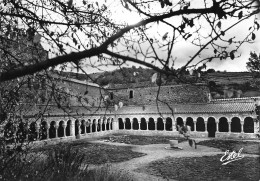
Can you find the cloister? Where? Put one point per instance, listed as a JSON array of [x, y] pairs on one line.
[[220, 119], [200, 126]]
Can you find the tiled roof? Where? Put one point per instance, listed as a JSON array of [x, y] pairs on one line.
[[211, 108], [192, 108]]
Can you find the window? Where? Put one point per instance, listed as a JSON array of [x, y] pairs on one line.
[[131, 94]]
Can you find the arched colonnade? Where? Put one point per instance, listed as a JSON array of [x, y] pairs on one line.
[[44, 130], [210, 124]]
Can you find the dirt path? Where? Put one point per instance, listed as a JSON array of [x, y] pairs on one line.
[[156, 152]]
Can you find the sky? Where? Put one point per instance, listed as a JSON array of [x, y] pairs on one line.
[[183, 50]]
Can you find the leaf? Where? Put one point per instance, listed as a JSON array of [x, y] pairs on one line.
[[165, 36], [240, 14], [257, 25], [219, 25], [215, 51], [222, 33], [253, 36], [154, 77], [230, 41], [232, 56], [151, 40], [162, 3]]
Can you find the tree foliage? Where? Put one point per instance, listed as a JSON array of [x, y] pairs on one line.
[[253, 64], [87, 34]]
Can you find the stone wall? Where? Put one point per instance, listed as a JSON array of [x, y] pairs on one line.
[[171, 94]]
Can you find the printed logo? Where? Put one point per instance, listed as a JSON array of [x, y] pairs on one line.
[[230, 157]]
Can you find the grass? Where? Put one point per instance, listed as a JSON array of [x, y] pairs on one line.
[[97, 153], [68, 162], [204, 168], [249, 147], [141, 140]]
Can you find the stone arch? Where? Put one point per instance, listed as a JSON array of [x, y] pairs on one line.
[[103, 125], [200, 125], [21, 132], [249, 125], [32, 132], [179, 121], [111, 123], [88, 128], [127, 123], [223, 124], [107, 125], [121, 123], [52, 130], [83, 126], [189, 122], [151, 124], [168, 125], [143, 124], [61, 129], [211, 127], [160, 125], [68, 128], [43, 130], [77, 131], [94, 125], [135, 124], [235, 125], [98, 125], [9, 132]]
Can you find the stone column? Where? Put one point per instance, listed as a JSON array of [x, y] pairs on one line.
[[27, 132], [205, 122], [96, 125], [173, 124], [90, 127], [195, 128], [37, 128], [229, 126], [217, 128], [139, 124], [56, 130], [101, 124], [72, 128], [131, 121], [242, 126], [79, 128], [123, 124], [105, 122], [85, 127], [115, 124], [64, 129], [47, 131], [164, 125], [15, 134], [147, 125], [155, 124], [256, 123]]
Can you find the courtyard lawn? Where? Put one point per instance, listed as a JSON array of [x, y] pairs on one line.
[[204, 168], [249, 147], [141, 140], [96, 153]]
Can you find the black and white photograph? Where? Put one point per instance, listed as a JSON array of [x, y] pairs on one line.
[[129, 90]]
